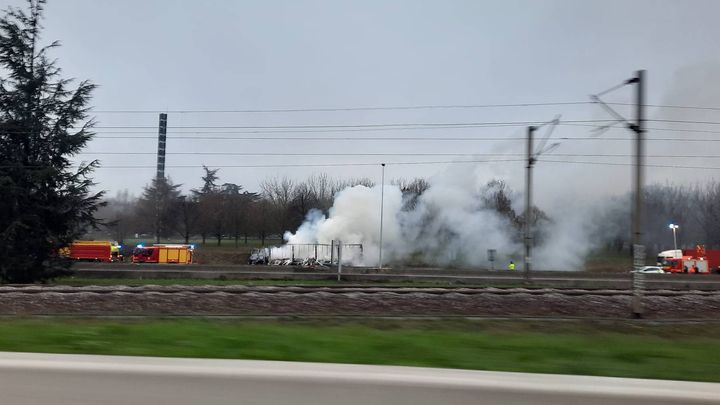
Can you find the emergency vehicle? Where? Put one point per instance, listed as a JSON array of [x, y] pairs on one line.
[[93, 250], [180, 254], [696, 261]]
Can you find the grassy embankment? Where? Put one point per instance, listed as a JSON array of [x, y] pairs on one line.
[[684, 352]]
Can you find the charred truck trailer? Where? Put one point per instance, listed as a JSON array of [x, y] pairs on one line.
[[696, 261]]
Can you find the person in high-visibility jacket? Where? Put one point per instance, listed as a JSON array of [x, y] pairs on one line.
[[511, 266]]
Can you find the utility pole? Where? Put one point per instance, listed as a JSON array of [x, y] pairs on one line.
[[162, 136], [532, 157], [638, 247], [639, 129], [382, 209], [160, 175], [528, 202]]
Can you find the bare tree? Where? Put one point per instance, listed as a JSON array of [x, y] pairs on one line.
[[707, 213], [279, 193], [411, 190], [321, 188]]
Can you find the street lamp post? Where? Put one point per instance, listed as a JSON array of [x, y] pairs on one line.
[[674, 230]]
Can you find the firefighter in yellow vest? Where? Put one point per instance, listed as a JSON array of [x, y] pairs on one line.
[[511, 266]]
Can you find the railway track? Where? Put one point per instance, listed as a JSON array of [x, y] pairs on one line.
[[152, 289], [353, 301]]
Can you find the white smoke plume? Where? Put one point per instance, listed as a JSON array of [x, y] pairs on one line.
[[450, 225]]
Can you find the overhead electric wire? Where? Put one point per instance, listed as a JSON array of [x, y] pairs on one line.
[[363, 127], [680, 107], [198, 166], [704, 131], [345, 164], [331, 154], [631, 164], [349, 164], [333, 109], [345, 138], [390, 108], [376, 125], [387, 126]]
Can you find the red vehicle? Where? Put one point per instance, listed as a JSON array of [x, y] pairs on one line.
[[181, 254], [93, 250], [696, 261]]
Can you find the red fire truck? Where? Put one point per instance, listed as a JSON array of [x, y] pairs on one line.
[[93, 250], [696, 261], [181, 254]]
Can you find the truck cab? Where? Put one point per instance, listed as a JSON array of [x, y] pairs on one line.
[[668, 254]]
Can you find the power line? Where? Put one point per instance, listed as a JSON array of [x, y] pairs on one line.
[[321, 127], [333, 109], [391, 108], [331, 154], [408, 163], [630, 164], [685, 121], [349, 164], [680, 107], [378, 125], [369, 127], [704, 131], [404, 124], [344, 164], [346, 138]]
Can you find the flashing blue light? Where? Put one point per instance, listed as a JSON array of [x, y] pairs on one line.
[[139, 246], [119, 246], [192, 246]]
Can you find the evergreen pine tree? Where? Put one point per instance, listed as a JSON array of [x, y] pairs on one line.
[[160, 205], [45, 202]]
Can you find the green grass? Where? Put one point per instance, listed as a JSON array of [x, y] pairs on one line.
[[686, 352]]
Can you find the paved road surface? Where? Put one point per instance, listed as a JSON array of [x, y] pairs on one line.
[[32, 379], [362, 275]]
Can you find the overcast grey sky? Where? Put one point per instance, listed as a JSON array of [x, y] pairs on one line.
[[220, 55]]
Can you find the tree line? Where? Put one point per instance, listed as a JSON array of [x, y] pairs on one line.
[[217, 210], [695, 208]]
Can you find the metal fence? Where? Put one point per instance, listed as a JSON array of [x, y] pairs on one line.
[[325, 253]]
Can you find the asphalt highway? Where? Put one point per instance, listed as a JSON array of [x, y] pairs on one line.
[[34, 379], [550, 279]]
